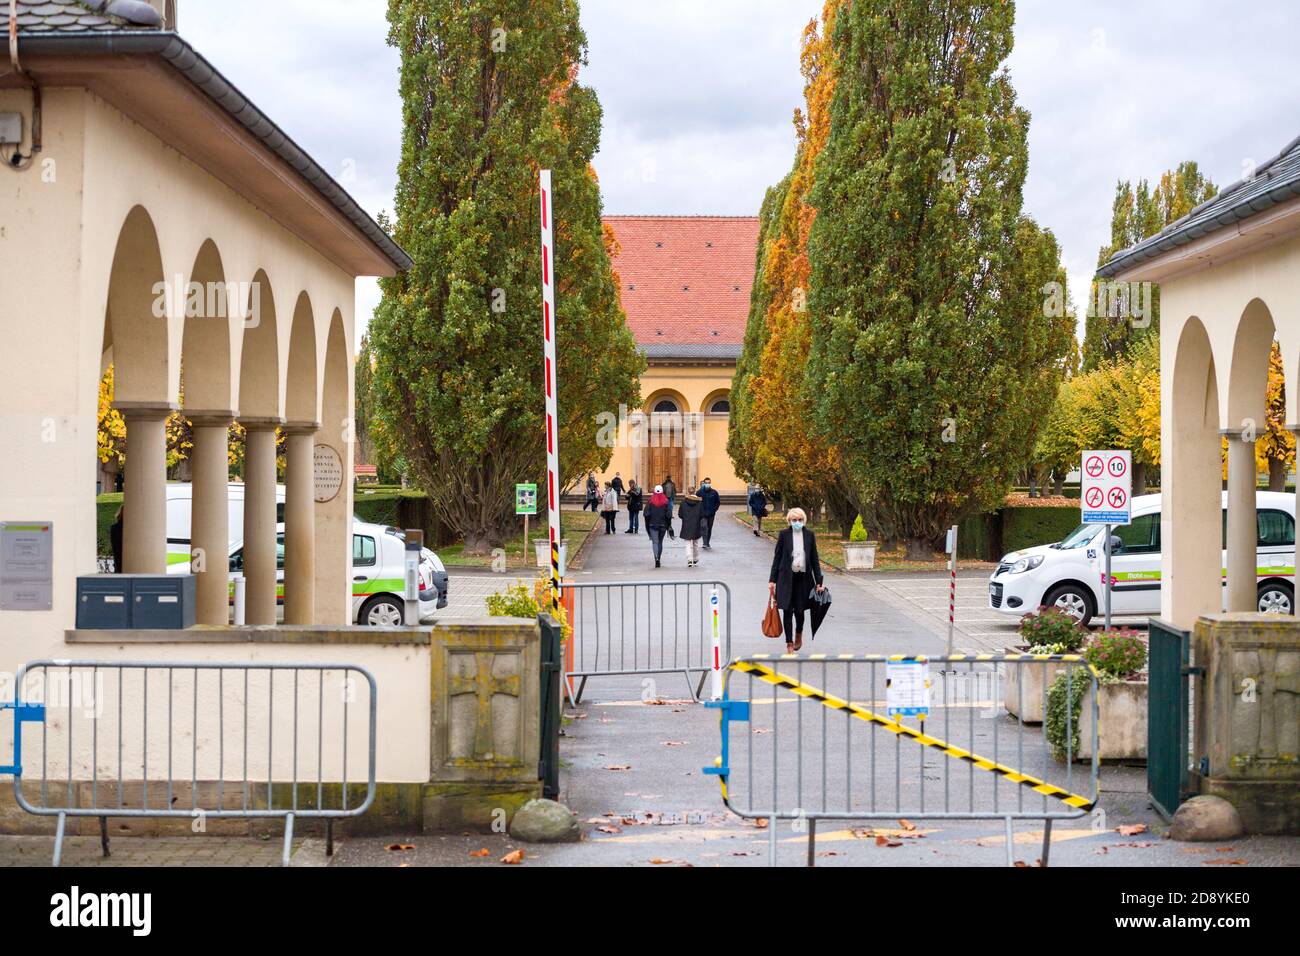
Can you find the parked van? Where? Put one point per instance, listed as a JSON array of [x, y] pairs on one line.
[[378, 559], [1070, 574]]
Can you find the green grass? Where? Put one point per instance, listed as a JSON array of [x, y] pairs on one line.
[[575, 525]]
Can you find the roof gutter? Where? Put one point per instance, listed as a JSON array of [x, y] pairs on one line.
[[207, 79]]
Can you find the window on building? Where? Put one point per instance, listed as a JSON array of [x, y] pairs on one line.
[[666, 405], [720, 406]]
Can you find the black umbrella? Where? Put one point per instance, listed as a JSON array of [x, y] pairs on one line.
[[821, 603]]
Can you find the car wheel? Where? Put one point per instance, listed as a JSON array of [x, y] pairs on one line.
[[382, 611], [1275, 597], [1073, 600]]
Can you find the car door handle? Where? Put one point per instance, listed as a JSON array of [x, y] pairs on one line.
[[358, 577]]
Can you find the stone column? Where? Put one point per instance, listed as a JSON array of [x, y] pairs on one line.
[[144, 513], [1243, 534], [259, 520], [210, 516], [300, 524]]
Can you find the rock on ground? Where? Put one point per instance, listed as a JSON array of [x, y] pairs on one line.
[[545, 821], [1206, 818]]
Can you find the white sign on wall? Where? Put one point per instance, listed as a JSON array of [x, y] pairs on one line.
[[1106, 495], [328, 467]]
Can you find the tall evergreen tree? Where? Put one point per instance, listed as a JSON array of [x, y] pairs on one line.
[[1137, 213], [934, 359], [490, 96]]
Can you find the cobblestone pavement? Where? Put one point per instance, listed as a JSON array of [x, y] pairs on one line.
[[160, 851]]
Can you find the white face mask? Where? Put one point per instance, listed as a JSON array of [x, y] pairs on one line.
[[797, 525]]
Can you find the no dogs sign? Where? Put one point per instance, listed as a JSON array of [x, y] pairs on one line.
[[1106, 496]]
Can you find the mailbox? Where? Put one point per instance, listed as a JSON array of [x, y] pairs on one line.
[[135, 602]]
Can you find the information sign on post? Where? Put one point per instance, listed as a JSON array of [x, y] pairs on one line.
[[1106, 497]]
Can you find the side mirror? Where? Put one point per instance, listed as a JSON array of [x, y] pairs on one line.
[[1116, 544]]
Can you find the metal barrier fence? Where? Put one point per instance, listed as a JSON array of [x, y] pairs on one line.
[[839, 738], [658, 627], [247, 740]]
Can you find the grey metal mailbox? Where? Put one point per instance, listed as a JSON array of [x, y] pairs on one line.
[[135, 602]]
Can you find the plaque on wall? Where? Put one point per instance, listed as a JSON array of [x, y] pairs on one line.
[[26, 565], [328, 470]]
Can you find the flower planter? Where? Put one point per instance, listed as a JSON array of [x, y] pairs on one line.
[[544, 554], [1122, 722], [1026, 685], [860, 555]]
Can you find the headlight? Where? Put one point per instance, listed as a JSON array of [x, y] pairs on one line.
[[1025, 564]]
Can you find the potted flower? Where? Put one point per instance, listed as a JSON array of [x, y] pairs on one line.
[[1048, 631], [1119, 657], [859, 552]]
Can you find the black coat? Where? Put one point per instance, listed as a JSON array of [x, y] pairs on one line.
[[658, 516], [617, 485], [782, 574], [634, 500], [691, 512], [757, 503], [711, 500]]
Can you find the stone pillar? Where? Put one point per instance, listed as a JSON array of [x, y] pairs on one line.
[[486, 712], [144, 513], [210, 516], [1243, 533], [1247, 720], [300, 524], [259, 520]]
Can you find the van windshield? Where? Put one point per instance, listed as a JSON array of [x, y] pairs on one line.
[[1079, 537]]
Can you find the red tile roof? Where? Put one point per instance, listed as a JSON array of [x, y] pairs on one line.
[[686, 279]]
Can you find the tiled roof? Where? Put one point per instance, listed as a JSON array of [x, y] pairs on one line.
[[80, 16], [685, 280], [1274, 182], [692, 350]]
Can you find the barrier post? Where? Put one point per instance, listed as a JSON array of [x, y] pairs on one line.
[[716, 685]]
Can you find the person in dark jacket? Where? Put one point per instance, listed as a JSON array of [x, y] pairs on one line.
[[634, 503], [618, 484], [796, 570], [115, 541], [758, 508], [670, 492], [710, 502], [593, 494], [657, 517], [692, 515]]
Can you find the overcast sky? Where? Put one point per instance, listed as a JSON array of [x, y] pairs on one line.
[[698, 97]]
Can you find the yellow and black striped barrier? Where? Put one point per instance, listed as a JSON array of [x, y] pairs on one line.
[[757, 666]]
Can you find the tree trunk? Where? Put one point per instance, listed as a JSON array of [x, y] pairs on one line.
[[842, 511], [1033, 488], [1276, 474], [920, 549], [1139, 478], [1058, 485]]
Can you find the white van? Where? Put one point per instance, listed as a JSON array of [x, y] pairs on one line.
[[1070, 574], [378, 559]]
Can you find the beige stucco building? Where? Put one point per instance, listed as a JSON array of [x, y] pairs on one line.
[[1229, 278], [685, 284]]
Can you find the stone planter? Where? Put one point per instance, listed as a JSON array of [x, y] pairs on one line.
[[860, 555], [544, 554], [1122, 723], [1026, 685]]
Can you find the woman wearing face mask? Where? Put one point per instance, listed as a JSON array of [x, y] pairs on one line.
[[796, 570]]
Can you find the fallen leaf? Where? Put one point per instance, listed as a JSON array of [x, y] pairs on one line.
[[885, 841], [1132, 829], [1225, 849], [907, 824], [480, 853], [761, 823], [657, 861], [597, 819], [1223, 862], [619, 766], [609, 830], [397, 847], [1140, 846], [828, 853], [1102, 852], [517, 856]]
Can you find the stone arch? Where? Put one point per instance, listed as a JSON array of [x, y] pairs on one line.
[[210, 307], [136, 327], [667, 395], [713, 398], [301, 397], [259, 361], [334, 517], [1191, 523], [1248, 378]]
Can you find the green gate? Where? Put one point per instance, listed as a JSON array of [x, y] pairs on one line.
[[548, 770], [1168, 721]]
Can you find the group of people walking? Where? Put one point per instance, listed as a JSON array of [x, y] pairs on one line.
[[696, 512]]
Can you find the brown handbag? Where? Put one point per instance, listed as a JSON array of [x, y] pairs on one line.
[[772, 626]]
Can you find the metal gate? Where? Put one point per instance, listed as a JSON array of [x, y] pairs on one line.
[[1168, 716], [822, 738], [548, 770], [195, 741]]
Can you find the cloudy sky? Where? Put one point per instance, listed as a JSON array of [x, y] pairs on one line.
[[698, 96]]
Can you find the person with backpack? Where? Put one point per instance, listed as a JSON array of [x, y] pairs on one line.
[[657, 517], [710, 502], [692, 515], [634, 502]]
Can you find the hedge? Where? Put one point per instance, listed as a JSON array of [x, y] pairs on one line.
[[987, 537]]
